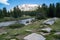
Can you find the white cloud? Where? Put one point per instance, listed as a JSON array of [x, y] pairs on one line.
[[4, 2]]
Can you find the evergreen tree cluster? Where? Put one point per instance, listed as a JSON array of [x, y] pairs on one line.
[[53, 10]]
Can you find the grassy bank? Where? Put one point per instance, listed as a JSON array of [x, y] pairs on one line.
[[13, 19]]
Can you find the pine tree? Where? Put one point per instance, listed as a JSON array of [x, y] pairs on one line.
[[58, 9], [4, 12], [51, 10], [1, 16]]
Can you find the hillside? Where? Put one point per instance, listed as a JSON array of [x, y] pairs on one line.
[[35, 27]]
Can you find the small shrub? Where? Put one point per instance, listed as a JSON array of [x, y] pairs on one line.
[[16, 26], [44, 31], [57, 36], [53, 31], [8, 19], [40, 16]]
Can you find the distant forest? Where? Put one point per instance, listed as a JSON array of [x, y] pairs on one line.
[[53, 10]]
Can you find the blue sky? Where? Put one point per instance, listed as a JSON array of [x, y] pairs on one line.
[[11, 3]]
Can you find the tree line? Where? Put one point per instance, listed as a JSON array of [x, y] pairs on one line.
[[53, 10]]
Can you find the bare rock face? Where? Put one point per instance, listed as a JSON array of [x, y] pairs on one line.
[[49, 21], [47, 29], [34, 36]]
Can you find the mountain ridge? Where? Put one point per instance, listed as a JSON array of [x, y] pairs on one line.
[[28, 7]]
